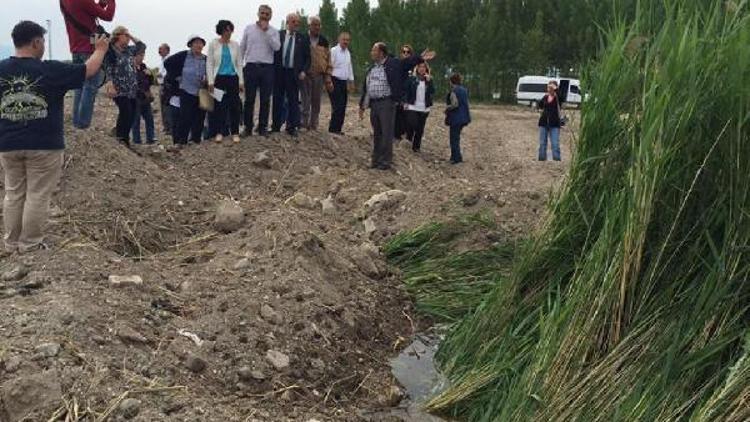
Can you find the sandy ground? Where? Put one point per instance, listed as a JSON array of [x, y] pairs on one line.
[[291, 316]]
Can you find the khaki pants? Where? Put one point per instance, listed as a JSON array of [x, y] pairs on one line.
[[30, 179], [312, 90]]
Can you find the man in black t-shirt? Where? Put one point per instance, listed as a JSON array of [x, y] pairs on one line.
[[32, 92]]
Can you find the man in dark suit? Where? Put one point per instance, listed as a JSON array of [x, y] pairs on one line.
[[292, 63]]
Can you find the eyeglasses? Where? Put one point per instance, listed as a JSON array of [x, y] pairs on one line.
[[406, 51]]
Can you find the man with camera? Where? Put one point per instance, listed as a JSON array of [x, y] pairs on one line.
[[81, 22], [32, 95]]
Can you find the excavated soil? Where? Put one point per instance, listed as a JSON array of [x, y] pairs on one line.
[[293, 316]]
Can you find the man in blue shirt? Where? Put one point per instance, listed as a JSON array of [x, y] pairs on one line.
[[32, 94]]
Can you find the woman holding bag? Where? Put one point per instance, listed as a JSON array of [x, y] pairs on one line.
[[224, 70], [188, 70], [119, 66], [549, 123]]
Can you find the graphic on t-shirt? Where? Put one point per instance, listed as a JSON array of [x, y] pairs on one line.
[[20, 100]]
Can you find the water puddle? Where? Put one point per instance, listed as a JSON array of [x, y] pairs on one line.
[[415, 370]]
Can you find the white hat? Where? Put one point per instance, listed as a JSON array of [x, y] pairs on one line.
[[195, 37]]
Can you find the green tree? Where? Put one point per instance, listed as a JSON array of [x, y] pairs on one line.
[[329, 19]]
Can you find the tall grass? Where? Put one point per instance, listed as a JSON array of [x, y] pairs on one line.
[[631, 303], [446, 282]]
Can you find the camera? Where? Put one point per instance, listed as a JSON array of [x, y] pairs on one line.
[[99, 30]]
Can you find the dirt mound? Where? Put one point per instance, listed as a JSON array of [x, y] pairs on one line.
[[293, 315]]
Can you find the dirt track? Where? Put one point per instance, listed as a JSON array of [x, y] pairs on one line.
[[295, 280]]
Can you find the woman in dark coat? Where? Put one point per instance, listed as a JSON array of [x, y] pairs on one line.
[[418, 95], [186, 75], [457, 116]]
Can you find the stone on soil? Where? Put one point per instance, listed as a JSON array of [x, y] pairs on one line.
[[328, 206], [17, 273], [263, 160], [195, 363], [130, 336], [230, 217], [125, 280], [270, 315], [385, 200], [129, 408], [277, 359], [47, 350], [242, 264], [35, 393], [300, 200]]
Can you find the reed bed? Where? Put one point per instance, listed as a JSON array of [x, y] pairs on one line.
[[632, 301]]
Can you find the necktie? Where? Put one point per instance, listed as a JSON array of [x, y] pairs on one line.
[[288, 52]]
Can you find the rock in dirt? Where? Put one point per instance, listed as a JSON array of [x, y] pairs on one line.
[[36, 393], [392, 397], [263, 160], [277, 359], [12, 364], [328, 206], [47, 350], [385, 200], [120, 281], [129, 408], [230, 217], [471, 198], [17, 273], [130, 336], [195, 363], [270, 315], [242, 264], [370, 227], [300, 200]]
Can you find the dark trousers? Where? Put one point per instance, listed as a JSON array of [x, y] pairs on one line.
[[382, 118], [166, 115], [415, 122], [228, 109], [400, 125], [339, 98], [258, 77], [191, 119], [287, 88], [125, 117], [455, 139]]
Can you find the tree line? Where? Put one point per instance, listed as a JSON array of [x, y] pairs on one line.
[[491, 42]]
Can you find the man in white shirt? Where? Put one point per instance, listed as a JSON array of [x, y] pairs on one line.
[[259, 43], [166, 116], [342, 77]]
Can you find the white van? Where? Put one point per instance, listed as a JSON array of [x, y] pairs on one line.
[[531, 89]]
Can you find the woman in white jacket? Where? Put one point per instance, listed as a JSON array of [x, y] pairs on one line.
[[224, 70]]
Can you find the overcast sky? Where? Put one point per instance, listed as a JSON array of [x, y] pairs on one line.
[[154, 21]]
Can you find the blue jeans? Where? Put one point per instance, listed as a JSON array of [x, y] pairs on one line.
[[144, 110], [554, 134], [455, 134], [83, 99]]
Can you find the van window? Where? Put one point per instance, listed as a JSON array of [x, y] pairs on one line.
[[532, 88], [574, 89]]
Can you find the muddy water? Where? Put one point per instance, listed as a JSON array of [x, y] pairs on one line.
[[415, 370]]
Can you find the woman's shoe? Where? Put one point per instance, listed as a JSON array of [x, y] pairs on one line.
[[219, 139], [236, 139]]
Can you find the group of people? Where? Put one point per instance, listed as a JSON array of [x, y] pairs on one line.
[[288, 66], [200, 92]]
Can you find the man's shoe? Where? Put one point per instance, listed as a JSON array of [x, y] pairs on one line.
[[263, 133], [293, 132], [246, 133]]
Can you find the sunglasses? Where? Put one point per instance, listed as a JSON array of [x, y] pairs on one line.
[[406, 51]]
